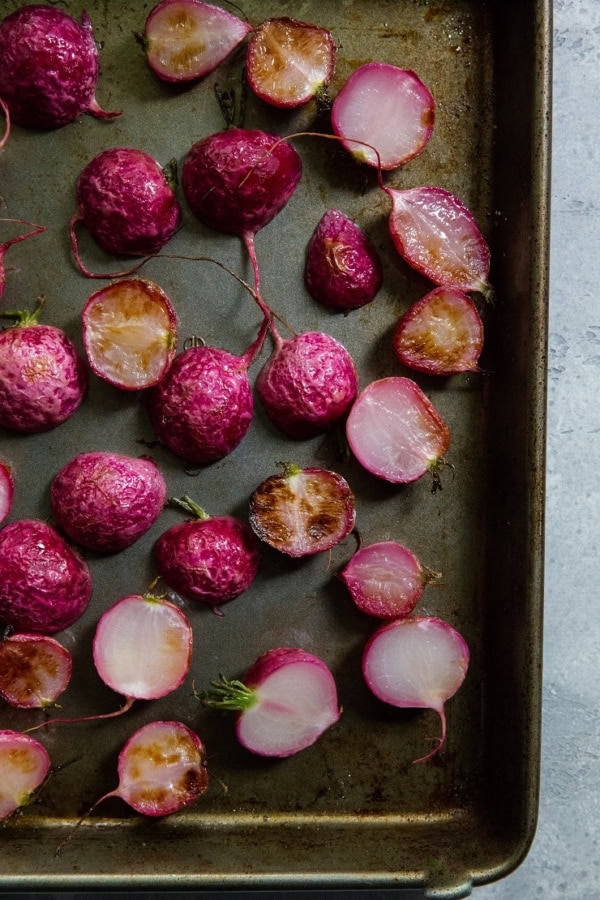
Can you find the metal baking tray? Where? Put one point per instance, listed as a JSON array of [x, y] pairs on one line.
[[352, 811]]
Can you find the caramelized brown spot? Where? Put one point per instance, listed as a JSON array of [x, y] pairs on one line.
[[427, 117], [22, 759], [22, 668]]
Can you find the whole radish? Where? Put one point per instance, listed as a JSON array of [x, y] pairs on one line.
[[105, 501], [7, 490], [48, 67], [37, 229], [44, 585], [187, 39], [127, 203], [24, 766], [285, 702], [207, 559], [43, 379], [303, 511], [416, 662], [34, 670], [130, 333]]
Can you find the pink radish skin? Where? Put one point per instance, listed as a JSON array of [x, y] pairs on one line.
[[187, 39], [44, 585], [386, 579], [130, 333], [209, 559], [303, 511], [343, 270], [395, 431], [418, 662], [387, 107], [37, 229], [289, 62], [440, 334], [7, 491], [24, 766], [107, 501], [286, 701], [34, 670], [127, 204], [6, 114], [43, 380], [48, 67], [435, 233]]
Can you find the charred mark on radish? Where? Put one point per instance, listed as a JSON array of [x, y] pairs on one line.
[[34, 670]]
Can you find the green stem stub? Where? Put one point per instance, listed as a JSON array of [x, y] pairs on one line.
[[23, 317], [188, 505], [225, 694]]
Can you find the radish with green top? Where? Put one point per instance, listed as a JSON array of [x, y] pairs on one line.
[[24, 766], [37, 229], [35, 670], [285, 702]]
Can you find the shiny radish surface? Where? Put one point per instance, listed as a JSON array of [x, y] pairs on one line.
[[34, 670], [24, 766]]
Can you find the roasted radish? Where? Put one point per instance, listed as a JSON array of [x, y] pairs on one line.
[[34, 670]]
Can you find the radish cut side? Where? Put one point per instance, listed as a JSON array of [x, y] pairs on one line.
[[395, 431], [24, 765], [387, 107], [130, 333], [440, 334], [7, 490], [288, 61], [435, 233], [187, 39], [34, 670]]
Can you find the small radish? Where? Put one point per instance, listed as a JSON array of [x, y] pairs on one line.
[[440, 334], [417, 662], [386, 579], [396, 433], [37, 229], [390, 108], [24, 766], [130, 333], [105, 501], [44, 585], [43, 379], [343, 270], [203, 407], [187, 39], [207, 559], [303, 511], [435, 233], [289, 62], [127, 203], [48, 67], [34, 670], [7, 490], [286, 701]]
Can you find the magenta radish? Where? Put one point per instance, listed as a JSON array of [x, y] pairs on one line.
[[208, 559], [289, 62], [386, 579], [37, 229], [127, 203], [43, 379], [44, 585], [48, 67], [418, 662], [24, 766], [187, 39], [396, 433], [130, 333], [6, 114], [303, 511], [435, 233], [440, 334], [203, 407], [285, 702], [105, 501], [343, 270], [34, 670], [7, 490], [388, 107]]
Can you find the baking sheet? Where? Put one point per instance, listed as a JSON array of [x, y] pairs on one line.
[[351, 811]]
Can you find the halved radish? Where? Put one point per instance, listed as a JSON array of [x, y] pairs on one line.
[[187, 39], [395, 431], [288, 61], [7, 490], [130, 333], [387, 107], [34, 670], [24, 765]]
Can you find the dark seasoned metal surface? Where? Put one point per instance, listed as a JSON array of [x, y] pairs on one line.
[[352, 810]]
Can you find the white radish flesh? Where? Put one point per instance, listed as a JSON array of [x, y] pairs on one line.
[[7, 490], [24, 765]]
